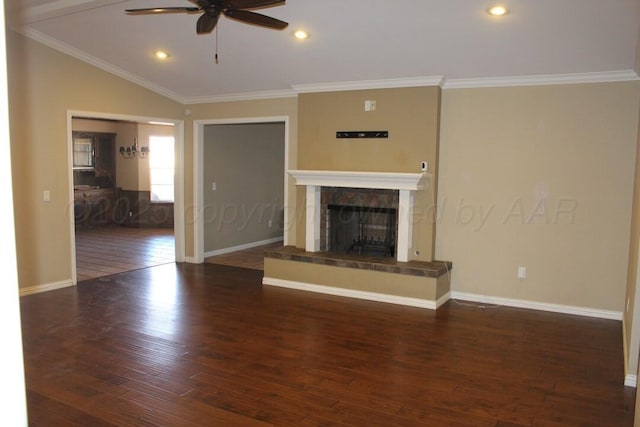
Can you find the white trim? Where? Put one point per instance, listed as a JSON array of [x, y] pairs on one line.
[[535, 305], [179, 230], [405, 220], [59, 8], [46, 287], [312, 218], [370, 84], [631, 380], [382, 180], [242, 96], [198, 170], [96, 62], [198, 197], [178, 204], [242, 247], [543, 79], [71, 206], [351, 293]]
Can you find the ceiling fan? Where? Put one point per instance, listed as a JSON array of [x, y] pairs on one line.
[[211, 10]]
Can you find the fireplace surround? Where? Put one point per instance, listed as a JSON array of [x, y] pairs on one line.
[[405, 184], [404, 279]]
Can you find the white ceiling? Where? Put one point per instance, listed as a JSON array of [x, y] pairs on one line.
[[351, 40]]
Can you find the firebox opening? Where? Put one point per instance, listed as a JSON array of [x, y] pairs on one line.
[[359, 230]]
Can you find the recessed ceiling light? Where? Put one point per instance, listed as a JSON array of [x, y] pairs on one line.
[[161, 54], [301, 34], [498, 10]]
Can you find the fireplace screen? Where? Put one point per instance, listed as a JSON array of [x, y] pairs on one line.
[[362, 230]]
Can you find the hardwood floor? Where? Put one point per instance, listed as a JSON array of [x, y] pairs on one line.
[[252, 258], [102, 251], [199, 345]]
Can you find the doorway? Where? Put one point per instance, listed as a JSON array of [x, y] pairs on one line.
[[250, 157], [115, 223]]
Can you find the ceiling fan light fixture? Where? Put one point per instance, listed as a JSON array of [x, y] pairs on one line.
[[497, 10], [161, 54], [301, 34]]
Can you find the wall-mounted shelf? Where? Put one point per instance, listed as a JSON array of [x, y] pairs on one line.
[[362, 134]]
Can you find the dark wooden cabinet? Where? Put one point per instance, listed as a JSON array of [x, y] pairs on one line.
[[105, 146], [95, 152], [94, 178], [95, 206]]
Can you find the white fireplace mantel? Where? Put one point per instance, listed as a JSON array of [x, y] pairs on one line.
[[382, 180], [405, 183]]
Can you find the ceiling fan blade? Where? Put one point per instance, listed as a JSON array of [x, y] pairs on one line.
[[254, 4], [154, 10], [207, 22], [256, 18]]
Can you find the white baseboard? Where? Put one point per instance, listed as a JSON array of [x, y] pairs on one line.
[[350, 293], [631, 380], [535, 305], [46, 287], [242, 247]]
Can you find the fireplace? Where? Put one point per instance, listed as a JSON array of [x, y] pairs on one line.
[[359, 221], [364, 191], [398, 201]]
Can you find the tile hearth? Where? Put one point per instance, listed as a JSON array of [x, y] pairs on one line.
[[433, 269]]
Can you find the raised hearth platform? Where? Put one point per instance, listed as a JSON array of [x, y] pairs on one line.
[[414, 283]]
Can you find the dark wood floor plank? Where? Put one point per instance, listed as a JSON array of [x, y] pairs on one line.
[[184, 344], [106, 250]]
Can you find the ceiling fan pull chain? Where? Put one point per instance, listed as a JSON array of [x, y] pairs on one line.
[[216, 56]]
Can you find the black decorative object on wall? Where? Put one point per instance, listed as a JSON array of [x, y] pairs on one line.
[[363, 134]]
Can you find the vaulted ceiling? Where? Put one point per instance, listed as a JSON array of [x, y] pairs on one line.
[[351, 41]]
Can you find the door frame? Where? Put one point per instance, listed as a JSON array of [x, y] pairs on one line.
[[178, 185]]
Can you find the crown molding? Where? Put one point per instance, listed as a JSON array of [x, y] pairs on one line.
[[370, 84], [82, 56], [59, 8], [246, 96], [543, 79]]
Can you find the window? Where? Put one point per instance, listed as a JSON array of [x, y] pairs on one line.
[[161, 165]]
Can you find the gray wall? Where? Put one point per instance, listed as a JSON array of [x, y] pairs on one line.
[[246, 161]]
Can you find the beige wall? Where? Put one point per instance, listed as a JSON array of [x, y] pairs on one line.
[[411, 115], [43, 85], [127, 170], [540, 177], [90, 125]]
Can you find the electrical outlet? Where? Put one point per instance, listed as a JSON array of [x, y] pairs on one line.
[[270, 223], [46, 196]]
